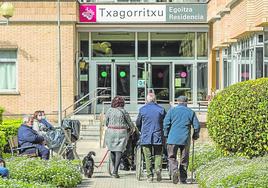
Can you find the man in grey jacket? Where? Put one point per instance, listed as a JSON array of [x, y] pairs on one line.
[[177, 129]]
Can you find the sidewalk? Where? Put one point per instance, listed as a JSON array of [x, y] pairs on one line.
[[127, 179]]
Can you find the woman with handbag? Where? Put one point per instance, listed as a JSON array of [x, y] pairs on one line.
[[119, 127]]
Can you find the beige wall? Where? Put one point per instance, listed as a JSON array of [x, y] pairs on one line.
[[33, 31]]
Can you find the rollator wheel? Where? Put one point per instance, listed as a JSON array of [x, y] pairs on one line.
[[138, 163]]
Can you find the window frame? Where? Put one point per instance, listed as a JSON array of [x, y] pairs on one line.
[[11, 60]]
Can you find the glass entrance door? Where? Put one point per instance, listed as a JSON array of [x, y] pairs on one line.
[[154, 77], [122, 82], [160, 82]]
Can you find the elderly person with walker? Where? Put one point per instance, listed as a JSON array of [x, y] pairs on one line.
[[119, 128], [150, 124], [177, 129]]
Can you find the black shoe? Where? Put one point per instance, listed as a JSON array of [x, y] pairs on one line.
[[115, 175], [183, 182], [175, 178], [158, 176]]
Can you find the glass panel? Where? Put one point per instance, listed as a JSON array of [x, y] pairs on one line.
[[244, 72], [266, 36], [7, 75], [123, 81], [183, 81], [202, 81], [266, 50], [217, 75], [225, 73], [104, 82], [113, 44], [265, 69], [259, 62], [8, 54], [84, 44], [202, 45], [172, 44], [160, 82], [142, 45], [141, 82], [84, 73]]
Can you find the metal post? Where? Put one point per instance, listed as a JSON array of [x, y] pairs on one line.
[[59, 67]]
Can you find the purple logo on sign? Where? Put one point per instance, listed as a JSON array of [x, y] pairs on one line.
[[87, 13], [183, 74]]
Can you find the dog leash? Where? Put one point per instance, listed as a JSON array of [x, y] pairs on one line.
[[102, 160]]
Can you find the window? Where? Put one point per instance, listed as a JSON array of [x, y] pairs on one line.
[[8, 79], [259, 62], [202, 81], [113, 44], [202, 45], [172, 45], [142, 45]]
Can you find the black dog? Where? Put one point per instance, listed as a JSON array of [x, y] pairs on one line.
[[88, 164]]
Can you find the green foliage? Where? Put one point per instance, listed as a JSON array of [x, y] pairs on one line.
[[12, 183], [2, 141], [203, 154], [235, 172], [1, 114], [237, 118], [62, 173], [10, 128]]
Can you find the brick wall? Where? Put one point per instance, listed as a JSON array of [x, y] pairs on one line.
[[33, 31]]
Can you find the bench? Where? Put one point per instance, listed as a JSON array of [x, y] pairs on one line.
[[15, 149]]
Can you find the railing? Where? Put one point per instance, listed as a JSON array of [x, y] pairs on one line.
[[92, 96]]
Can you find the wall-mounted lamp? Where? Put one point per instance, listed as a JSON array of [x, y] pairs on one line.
[[7, 11], [82, 62]]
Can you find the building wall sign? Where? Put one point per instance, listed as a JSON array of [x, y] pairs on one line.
[[180, 13], [187, 13]]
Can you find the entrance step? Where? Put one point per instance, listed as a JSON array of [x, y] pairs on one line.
[[90, 127]]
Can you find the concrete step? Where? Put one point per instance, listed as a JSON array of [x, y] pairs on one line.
[[92, 138]]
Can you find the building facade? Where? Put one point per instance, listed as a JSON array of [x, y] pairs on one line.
[[238, 41], [129, 48]]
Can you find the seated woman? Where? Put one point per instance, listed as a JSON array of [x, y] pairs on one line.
[[41, 125]]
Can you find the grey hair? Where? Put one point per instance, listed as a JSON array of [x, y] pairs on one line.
[[26, 118], [151, 97]]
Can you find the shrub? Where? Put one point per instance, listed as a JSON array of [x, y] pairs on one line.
[[12, 183], [1, 114], [236, 172], [3, 141], [10, 128], [62, 173], [237, 118], [203, 154]]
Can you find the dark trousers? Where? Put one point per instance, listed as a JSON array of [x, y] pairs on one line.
[[149, 151], [43, 152], [184, 159], [116, 157]]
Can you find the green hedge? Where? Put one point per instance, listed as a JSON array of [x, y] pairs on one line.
[[10, 128], [237, 118], [1, 114], [12, 183], [235, 172], [62, 173]]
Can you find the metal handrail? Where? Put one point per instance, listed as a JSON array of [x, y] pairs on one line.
[[95, 92]]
